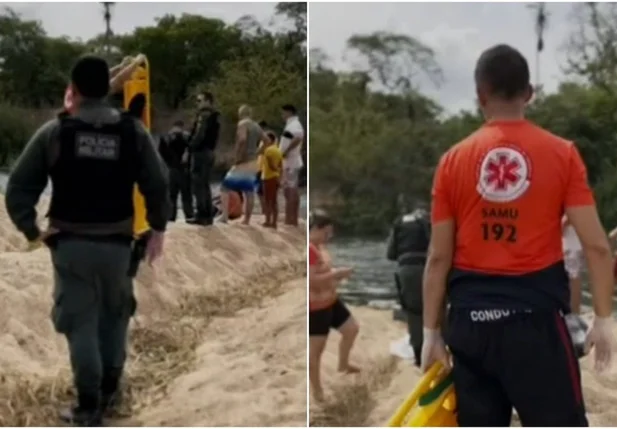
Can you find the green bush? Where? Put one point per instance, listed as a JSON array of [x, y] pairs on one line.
[[15, 130]]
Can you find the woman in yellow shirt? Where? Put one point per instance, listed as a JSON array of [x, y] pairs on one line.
[[271, 167]]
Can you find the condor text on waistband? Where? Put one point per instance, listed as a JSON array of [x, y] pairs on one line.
[[493, 315]]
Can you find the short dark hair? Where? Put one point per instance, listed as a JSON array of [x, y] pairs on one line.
[[503, 71], [272, 135], [208, 96], [289, 108], [319, 219], [263, 124], [90, 75], [179, 123]]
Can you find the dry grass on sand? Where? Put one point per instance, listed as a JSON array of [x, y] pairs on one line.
[[350, 403], [160, 352]]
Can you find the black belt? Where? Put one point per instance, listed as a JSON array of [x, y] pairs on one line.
[[411, 259]]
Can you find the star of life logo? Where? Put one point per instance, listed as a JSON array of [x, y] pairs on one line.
[[504, 175]]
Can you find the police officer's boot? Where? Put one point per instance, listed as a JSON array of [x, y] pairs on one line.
[[111, 396], [199, 221], [87, 413]]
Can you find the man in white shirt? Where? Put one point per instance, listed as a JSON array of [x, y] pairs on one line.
[[291, 146]]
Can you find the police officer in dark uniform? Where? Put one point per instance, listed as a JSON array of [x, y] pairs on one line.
[[94, 157], [173, 148], [408, 245], [202, 143]]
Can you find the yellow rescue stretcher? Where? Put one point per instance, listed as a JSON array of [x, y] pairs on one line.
[[139, 84], [432, 403]]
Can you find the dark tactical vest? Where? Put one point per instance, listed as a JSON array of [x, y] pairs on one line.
[[412, 237], [95, 172]]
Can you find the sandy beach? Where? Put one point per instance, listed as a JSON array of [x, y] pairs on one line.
[[369, 399], [219, 337]]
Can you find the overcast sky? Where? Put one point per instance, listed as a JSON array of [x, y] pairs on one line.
[[458, 32], [84, 20]]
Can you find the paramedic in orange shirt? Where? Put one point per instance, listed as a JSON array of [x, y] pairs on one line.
[[498, 199]]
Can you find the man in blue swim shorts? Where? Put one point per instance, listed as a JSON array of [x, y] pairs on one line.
[[242, 176]]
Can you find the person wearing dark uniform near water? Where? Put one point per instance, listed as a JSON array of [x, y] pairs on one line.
[[202, 143], [497, 204], [408, 245], [94, 157], [173, 148]]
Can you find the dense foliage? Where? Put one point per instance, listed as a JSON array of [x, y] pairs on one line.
[[241, 63], [368, 146]]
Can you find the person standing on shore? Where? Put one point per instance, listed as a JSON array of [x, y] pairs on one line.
[[94, 156], [173, 148], [271, 167], [496, 250], [408, 247], [326, 310], [202, 143], [241, 177], [291, 146]]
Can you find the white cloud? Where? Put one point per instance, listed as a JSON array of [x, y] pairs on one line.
[[85, 20], [458, 32]]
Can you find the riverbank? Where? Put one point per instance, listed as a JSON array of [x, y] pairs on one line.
[[372, 283], [215, 191], [219, 336], [370, 398]]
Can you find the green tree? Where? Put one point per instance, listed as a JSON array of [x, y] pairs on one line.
[[243, 63], [373, 138], [263, 82], [182, 52]]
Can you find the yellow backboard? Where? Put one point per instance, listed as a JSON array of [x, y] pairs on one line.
[[139, 84]]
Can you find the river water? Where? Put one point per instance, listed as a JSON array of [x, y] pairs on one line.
[[372, 283]]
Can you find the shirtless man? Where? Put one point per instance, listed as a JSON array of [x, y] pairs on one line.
[[241, 176], [326, 310]]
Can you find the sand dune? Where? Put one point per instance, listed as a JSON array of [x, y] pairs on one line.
[[370, 399], [219, 337]]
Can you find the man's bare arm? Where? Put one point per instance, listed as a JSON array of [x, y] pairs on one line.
[[117, 82], [116, 69], [319, 279], [588, 227], [261, 148], [241, 139], [436, 271]]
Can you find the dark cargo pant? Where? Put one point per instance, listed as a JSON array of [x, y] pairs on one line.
[[201, 168], [525, 360], [93, 303], [180, 183], [409, 278]]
